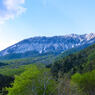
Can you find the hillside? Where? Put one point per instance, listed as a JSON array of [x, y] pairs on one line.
[[82, 61]]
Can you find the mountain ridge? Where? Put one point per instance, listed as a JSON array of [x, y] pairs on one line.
[[50, 44]]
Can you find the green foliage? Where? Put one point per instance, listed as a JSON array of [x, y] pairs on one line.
[[17, 66], [3, 64], [5, 82], [34, 81], [9, 71], [85, 82], [12, 70], [81, 62]]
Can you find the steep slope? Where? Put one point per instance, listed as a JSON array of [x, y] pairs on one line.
[[82, 61], [73, 50]]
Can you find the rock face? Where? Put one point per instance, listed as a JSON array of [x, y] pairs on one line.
[[50, 44]]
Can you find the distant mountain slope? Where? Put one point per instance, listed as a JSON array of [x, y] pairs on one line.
[[82, 61], [73, 50], [56, 44]]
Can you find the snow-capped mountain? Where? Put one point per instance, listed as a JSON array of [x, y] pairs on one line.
[[50, 44]]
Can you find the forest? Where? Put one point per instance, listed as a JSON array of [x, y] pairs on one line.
[[73, 74]]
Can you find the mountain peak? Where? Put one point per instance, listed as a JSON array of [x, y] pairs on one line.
[[90, 36]]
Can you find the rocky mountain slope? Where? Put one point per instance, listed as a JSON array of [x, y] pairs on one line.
[[56, 44]]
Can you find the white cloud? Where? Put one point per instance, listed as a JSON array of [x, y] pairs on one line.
[[11, 8]]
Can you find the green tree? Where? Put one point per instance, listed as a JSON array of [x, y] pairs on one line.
[[33, 81], [85, 82]]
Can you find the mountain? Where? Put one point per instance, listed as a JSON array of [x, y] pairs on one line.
[[55, 44]]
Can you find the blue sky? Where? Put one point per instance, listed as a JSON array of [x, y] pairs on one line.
[[20, 19]]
